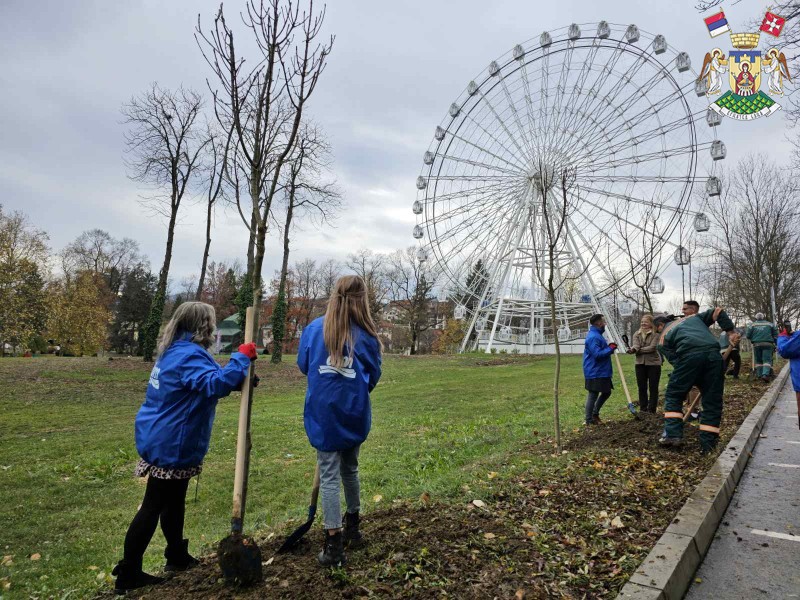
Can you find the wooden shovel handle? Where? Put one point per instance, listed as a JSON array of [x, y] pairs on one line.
[[315, 487], [243, 436], [622, 377]]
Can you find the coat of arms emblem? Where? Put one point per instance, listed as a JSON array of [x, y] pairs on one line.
[[749, 71]]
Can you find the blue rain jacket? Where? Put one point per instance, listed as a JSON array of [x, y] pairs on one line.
[[789, 347], [597, 355], [173, 426], [338, 414]]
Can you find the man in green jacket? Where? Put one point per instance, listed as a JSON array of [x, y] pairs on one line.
[[762, 334], [693, 351]]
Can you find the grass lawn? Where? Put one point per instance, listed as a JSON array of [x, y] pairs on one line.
[[67, 492]]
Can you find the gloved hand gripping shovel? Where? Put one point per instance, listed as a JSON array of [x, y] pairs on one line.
[[240, 556]]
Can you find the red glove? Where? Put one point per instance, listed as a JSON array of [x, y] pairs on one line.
[[613, 346], [249, 350]]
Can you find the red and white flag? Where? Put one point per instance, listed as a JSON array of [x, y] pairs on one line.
[[773, 24]]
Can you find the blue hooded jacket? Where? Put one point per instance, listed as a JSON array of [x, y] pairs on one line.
[[789, 347], [597, 355], [337, 414], [173, 426]]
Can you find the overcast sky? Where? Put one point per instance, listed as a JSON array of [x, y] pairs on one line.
[[395, 68]]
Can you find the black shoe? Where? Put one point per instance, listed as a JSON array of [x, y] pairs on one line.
[[352, 536], [670, 442], [332, 554], [179, 559], [131, 577]]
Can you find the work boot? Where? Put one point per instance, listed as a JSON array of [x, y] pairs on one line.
[[670, 442], [352, 536], [332, 554], [596, 420], [179, 559], [131, 577]]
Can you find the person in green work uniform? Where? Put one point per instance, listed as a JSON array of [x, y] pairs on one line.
[[763, 335], [693, 351]]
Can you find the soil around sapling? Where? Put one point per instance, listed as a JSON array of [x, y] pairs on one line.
[[574, 525]]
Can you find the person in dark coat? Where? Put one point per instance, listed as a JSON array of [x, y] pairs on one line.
[[693, 351], [597, 369], [173, 431]]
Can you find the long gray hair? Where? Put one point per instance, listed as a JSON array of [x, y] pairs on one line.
[[197, 318]]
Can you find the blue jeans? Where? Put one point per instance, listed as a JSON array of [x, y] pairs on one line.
[[337, 468], [594, 402]]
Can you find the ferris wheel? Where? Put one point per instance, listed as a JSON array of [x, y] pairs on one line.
[[623, 113]]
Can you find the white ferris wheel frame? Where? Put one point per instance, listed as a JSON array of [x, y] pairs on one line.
[[496, 302]]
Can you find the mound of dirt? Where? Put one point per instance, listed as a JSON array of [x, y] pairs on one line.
[[576, 526]]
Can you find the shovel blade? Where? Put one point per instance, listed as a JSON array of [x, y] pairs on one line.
[[240, 560], [298, 533], [632, 409]]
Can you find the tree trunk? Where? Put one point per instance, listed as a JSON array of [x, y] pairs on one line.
[[557, 376], [279, 314], [204, 264], [153, 325]]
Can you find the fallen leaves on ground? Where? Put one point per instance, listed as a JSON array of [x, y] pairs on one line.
[[570, 526]]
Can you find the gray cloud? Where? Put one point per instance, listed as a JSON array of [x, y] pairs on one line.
[[394, 71]]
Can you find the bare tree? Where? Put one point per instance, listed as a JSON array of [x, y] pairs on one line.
[[264, 100], [163, 146], [98, 252], [643, 243], [556, 190], [410, 283], [758, 239], [305, 192], [371, 267], [329, 272], [214, 167]]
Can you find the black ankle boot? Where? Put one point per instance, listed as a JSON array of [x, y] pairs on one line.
[[131, 577], [179, 559], [332, 554], [352, 536]]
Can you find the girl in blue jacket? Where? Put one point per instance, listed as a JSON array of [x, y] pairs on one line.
[[341, 355], [173, 430]]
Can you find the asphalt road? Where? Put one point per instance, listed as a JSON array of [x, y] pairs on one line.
[[756, 550]]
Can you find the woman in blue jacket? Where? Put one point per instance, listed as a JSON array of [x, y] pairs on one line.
[[341, 355], [789, 348], [173, 430], [597, 370]]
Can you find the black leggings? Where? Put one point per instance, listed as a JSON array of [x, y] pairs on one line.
[[164, 499]]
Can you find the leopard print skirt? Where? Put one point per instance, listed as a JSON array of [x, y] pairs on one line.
[[144, 468]]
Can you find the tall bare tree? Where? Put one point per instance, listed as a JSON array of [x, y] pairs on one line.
[[163, 145], [556, 190], [757, 238], [305, 192], [214, 168], [264, 99]]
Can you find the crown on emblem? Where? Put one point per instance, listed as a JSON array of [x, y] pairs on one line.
[[745, 41]]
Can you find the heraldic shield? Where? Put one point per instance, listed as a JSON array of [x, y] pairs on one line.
[[744, 71], [746, 66]]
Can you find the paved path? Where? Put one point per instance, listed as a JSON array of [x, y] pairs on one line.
[[756, 551]]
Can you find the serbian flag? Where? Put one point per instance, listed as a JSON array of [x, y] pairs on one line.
[[717, 24], [773, 24]]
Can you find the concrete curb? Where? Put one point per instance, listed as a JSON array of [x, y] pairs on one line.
[[668, 570]]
